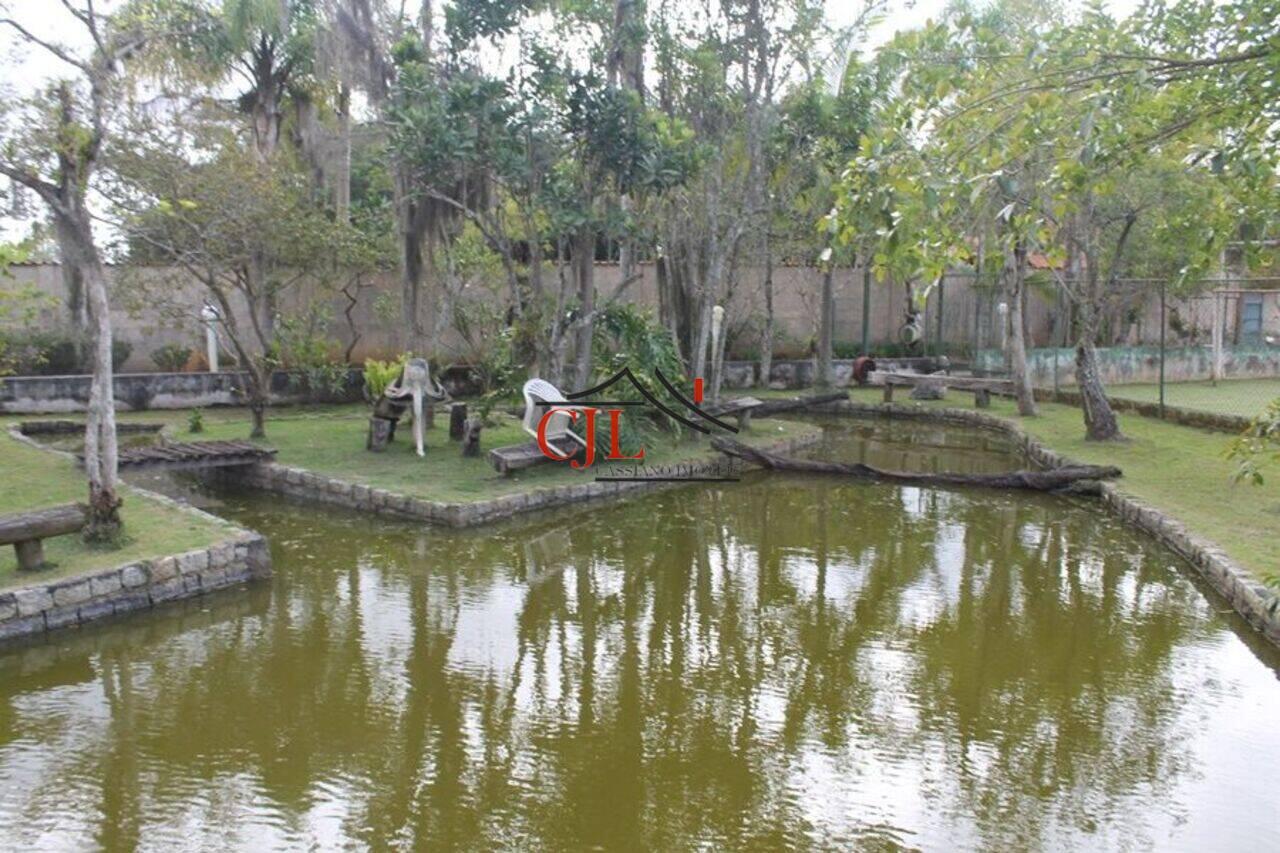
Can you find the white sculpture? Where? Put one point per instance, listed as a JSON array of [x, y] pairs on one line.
[[415, 380], [210, 317]]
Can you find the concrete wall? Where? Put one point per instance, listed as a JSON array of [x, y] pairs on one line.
[[1127, 365], [152, 307]]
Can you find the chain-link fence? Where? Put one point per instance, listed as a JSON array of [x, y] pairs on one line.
[[1211, 346]]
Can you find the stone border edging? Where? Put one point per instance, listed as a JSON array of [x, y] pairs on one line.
[[303, 484], [90, 596], [1259, 605], [1173, 414], [134, 586]]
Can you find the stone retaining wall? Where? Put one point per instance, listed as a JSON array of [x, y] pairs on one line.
[[1259, 605], [306, 485], [88, 597], [140, 391]]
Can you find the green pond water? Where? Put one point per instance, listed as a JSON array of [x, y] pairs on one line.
[[781, 663]]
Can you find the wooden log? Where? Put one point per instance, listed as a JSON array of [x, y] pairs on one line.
[[37, 524], [1068, 478], [381, 431], [25, 530], [471, 437], [957, 383], [457, 421], [929, 390], [773, 407], [30, 555]]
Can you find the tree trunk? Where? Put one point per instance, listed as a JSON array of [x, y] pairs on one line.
[[766, 338], [1017, 291], [100, 455], [259, 393], [826, 326], [342, 178], [411, 287], [266, 114], [584, 270], [1099, 420], [702, 338], [73, 284], [258, 409]]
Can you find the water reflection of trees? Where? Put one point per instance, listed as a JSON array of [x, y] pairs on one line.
[[680, 666]]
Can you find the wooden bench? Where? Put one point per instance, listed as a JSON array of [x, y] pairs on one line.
[[505, 460], [26, 530], [981, 388], [739, 409]]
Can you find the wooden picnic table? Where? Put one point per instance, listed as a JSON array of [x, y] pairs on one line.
[[981, 387]]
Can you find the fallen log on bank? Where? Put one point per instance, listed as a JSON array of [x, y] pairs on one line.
[[773, 407], [1075, 479]]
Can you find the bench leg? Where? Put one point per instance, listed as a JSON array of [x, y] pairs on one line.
[[982, 398], [888, 392], [30, 554], [744, 422]]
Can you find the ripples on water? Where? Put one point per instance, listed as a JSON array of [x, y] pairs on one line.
[[784, 663]]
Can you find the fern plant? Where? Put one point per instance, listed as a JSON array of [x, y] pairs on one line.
[[378, 375]]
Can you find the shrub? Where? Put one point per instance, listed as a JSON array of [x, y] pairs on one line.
[[625, 336], [60, 358], [49, 354], [303, 348], [171, 358], [195, 421]]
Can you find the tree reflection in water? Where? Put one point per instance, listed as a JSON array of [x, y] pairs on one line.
[[781, 663]]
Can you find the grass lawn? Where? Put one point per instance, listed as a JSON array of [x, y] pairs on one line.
[[1244, 397], [333, 445], [35, 479]]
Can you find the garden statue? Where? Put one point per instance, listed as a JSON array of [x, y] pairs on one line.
[[414, 381], [210, 317]]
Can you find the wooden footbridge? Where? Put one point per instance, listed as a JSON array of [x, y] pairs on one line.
[[193, 454]]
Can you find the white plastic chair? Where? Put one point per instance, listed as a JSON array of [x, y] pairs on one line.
[[538, 391]]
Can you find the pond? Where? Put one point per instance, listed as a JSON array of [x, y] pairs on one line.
[[781, 663]]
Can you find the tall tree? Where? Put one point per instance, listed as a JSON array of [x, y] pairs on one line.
[[52, 144]]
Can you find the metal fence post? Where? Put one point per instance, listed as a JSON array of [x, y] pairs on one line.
[[1163, 324]]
